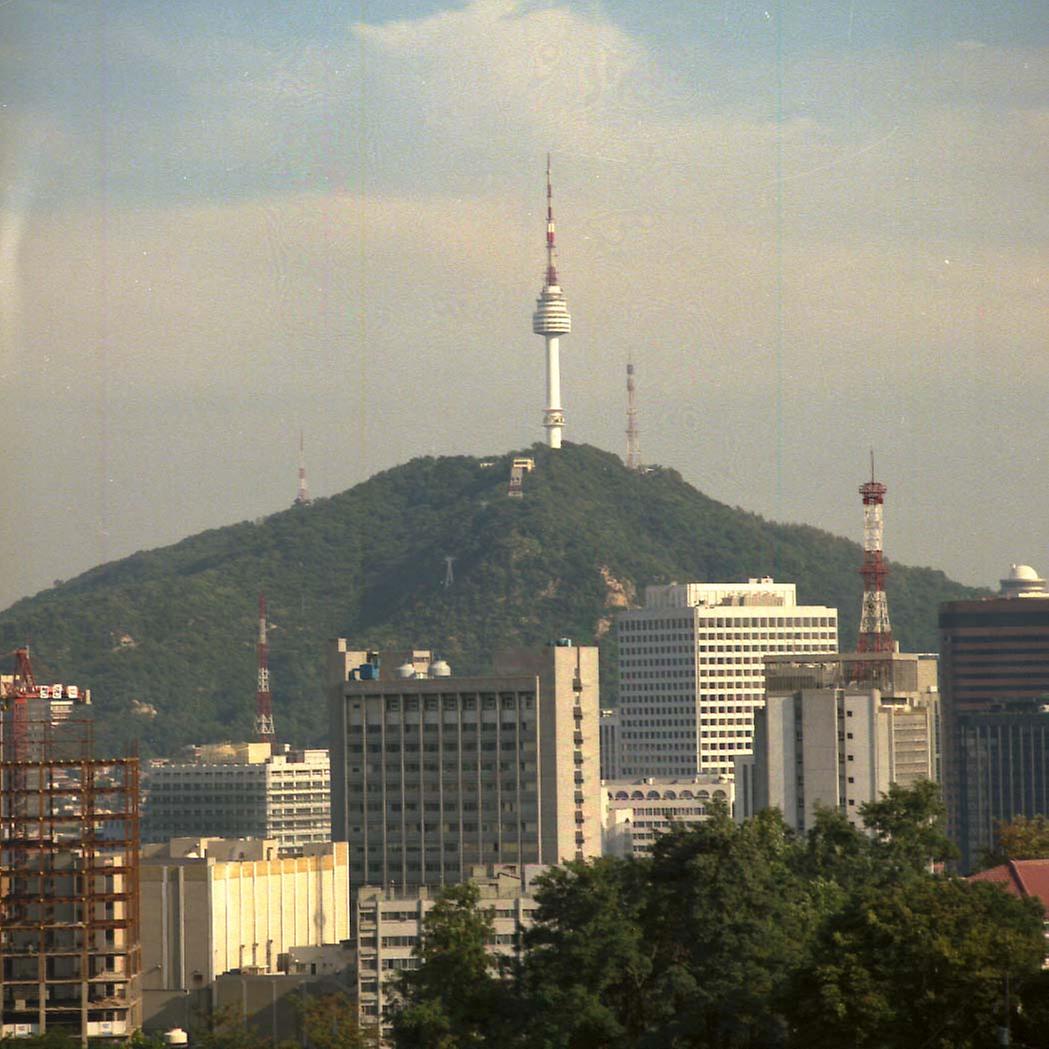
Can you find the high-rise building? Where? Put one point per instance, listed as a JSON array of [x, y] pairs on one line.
[[212, 905], [691, 670], [609, 738], [993, 652], [69, 890], [242, 790], [836, 732], [433, 774]]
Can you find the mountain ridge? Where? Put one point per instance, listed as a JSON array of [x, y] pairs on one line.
[[172, 630]]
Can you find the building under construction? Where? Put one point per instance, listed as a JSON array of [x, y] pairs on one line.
[[69, 903]]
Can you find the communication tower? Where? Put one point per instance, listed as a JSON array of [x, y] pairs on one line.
[[302, 497], [551, 320], [633, 434], [263, 699], [875, 632]]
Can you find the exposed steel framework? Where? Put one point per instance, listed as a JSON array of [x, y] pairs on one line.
[[875, 633], [69, 887], [264, 731], [633, 433]]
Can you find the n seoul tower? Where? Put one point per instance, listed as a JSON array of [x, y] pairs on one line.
[[551, 320]]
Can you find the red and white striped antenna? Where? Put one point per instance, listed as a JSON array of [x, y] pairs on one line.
[[875, 631], [264, 732]]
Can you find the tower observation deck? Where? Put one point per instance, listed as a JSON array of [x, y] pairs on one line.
[[552, 320]]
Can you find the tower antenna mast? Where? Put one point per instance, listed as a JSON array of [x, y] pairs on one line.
[[633, 433], [302, 497], [264, 732], [552, 320], [875, 631]]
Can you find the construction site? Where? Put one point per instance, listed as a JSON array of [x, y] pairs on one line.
[[69, 885]]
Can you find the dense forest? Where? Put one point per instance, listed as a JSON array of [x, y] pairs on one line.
[[165, 638]]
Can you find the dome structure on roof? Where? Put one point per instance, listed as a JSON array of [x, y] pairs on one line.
[[1023, 581]]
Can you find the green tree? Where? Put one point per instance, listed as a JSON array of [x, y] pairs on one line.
[[1021, 838], [456, 999], [588, 965], [909, 828], [329, 1021], [920, 964]]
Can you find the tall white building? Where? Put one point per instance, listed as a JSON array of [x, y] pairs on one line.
[[838, 732], [691, 670], [242, 790]]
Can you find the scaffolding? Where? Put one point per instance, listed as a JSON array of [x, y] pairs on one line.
[[69, 896]]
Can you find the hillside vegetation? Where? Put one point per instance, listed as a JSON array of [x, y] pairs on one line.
[[172, 630]]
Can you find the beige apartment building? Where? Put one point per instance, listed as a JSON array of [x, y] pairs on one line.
[[433, 775], [212, 906], [242, 790]]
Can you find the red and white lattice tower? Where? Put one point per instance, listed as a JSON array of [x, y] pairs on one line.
[[551, 320], [302, 498], [875, 631], [263, 699], [633, 433]]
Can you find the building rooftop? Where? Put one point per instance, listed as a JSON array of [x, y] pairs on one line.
[[1026, 878]]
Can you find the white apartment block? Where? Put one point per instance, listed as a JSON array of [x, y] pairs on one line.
[[212, 906], [837, 733], [433, 775], [388, 926], [691, 670], [242, 790], [636, 812]]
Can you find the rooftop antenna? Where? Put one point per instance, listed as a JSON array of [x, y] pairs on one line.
[[875, 631], [551, 320]]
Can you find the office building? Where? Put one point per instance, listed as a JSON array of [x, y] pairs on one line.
[[211, 906], [388, 926], [993, 652], [242, 790], [69, 903], [691, 670], [638, 811], [837, 732], [1002, 771], [433, 774]]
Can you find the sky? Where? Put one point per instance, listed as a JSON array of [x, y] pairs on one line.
[[817, 228]]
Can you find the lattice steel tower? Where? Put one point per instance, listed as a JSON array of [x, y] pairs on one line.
[[552, 320], [633, 433], [875, 630]]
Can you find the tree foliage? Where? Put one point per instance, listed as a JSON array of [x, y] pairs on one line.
[[744, 937], [1021, 838]]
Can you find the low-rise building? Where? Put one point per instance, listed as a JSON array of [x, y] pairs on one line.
[[215, 906], [388, 926], [242, 790], [637, 811]]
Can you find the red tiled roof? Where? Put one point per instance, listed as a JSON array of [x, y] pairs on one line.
[[1021, 878]]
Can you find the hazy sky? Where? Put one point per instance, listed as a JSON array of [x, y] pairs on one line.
[[817, 227]]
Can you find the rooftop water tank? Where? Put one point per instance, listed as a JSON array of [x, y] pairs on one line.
[[439, 668], [405, 670]]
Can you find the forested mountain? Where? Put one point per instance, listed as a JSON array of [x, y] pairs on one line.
[[165, 638]]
